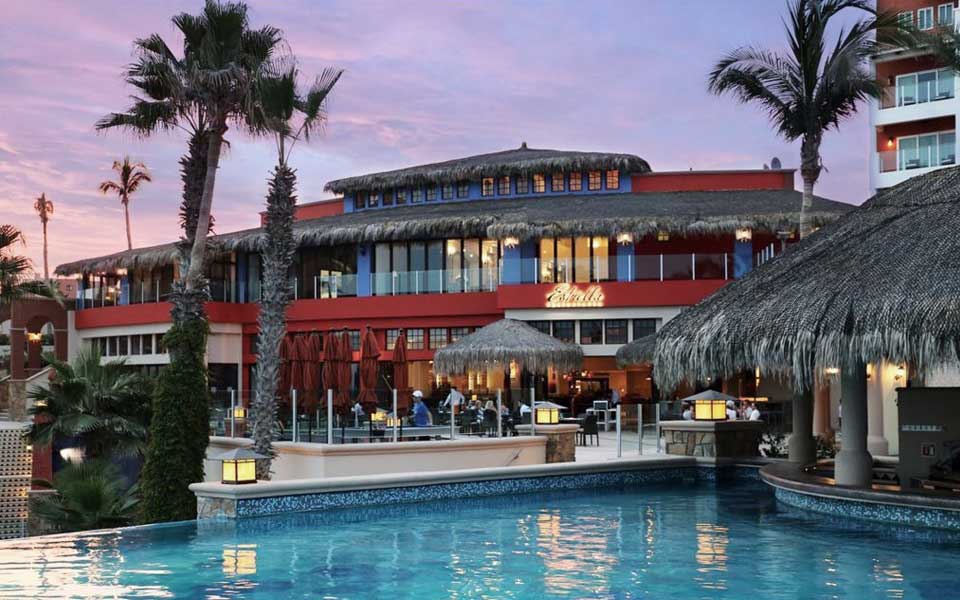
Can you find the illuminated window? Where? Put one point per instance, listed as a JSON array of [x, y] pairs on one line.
[[388, 197], [438, 337], [663, 236], [593, 180], [556, 182], [447, 191], [591, 331], [401, 197], [616, 331], [463, 189], [417, 197], [457, 333], [539, 183], [486, 189], [373, 200], [503, 186], [360, 200], [392, 335], [415, 339], [431, 193], [523, 184], [576, 181], [613, 180]]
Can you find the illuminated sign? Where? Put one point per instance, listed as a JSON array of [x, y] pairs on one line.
[[565, 295]]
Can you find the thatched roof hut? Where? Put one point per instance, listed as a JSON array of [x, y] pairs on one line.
[[882, 283], [507, 341], [531, 217], [637, 352], [520, 161]]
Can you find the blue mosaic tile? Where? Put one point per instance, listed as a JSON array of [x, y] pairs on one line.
[[254, 507], [871, 511]]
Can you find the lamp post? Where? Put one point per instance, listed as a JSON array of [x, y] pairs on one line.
[[710, 409], [546, 415]]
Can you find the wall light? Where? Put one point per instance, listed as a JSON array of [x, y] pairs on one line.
[[890, 142], [510, 242], [663, 236], [831, 371], [624, 239], [743, 234], [901, 373], [34, 337]]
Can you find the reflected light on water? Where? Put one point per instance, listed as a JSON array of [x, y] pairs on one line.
[[712, 542], [240, 559]]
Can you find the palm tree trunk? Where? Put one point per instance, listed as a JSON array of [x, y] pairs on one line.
[[126, 217], [809, 171], [275, 296], [46, 268], [194, 276]]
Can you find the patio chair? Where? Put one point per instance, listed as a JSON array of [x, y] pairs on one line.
[[589, 430]]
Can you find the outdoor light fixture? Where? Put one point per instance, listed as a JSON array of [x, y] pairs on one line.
[[239, 466], [547, 415], [624, 239], [121, 271], [510, 242], [743, 235], [239, 413], [831, 371], [889, 142], [34, 337], [710, 410], [901, 373]]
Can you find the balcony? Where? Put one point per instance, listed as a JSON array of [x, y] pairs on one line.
[[436, 281], [917, 96]]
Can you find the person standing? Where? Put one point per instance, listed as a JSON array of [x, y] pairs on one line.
[[421, 414], [454, 401]]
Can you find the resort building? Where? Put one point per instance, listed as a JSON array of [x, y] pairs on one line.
[[914, 121], [592, 248]]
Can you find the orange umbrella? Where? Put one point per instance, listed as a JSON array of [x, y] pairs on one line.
[[401, 379], [369, 367]]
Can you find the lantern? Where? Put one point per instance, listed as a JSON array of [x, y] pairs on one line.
[[34, 337], [547, 415], [710, 409], [239, 412], [239, 466]]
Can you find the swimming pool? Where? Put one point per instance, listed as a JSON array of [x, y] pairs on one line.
[[678, 541]]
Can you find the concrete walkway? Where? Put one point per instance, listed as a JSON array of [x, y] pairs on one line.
[[630, 448]]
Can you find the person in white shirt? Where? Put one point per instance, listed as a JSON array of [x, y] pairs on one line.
[[614, 398], [753, 413], [731, 411], [454, 400], [687, 409]]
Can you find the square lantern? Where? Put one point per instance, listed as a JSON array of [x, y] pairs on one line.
[[239, 412], [547, 415], [710, 409], [239, 466]]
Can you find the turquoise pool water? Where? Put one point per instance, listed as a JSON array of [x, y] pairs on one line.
[[675, 541]]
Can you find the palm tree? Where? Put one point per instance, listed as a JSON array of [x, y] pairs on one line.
[[282, 112], [44, 209], [130, 176], [106, 406], [817, 84], [89, 495], [15, 282]]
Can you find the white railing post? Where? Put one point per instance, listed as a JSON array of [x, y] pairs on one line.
[[640, 426], [619, 434], [693, 265], [315, 288], [499, 413], [726, 268], [329, 416], [661, 267], [293, 403], [396, 417], [533, 412], [233, 409]]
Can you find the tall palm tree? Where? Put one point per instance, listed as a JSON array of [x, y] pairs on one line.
[[44, 209], [282, 112], [818, 83], [129, 177], [15, 279]]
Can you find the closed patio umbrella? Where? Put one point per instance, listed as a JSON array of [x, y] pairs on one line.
[[286, 352], [369, 366], [401, 378], [341, 397], [296, 363], [311, 359], [330, 357]]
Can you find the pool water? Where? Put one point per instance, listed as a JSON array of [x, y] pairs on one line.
[[674, 541]]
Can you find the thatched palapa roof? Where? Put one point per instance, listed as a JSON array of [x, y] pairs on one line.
[[882, 283], [530, 217], [637, 352], [498, 344], [521, 161]]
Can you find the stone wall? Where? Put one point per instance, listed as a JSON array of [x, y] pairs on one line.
[[712, 439]]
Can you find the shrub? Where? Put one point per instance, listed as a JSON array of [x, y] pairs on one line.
[[89, 495]]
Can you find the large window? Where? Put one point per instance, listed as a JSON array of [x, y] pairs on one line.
[[388, 197], [463, 189], [373, 200], [565, 331], [447, 191], [392, 335], [458, 333], [929, 150], [644, 327], [924, 86], [541, 326], [591, 331], [360, 200], [925, 18], [471, 265], [503, 186], [438, 337], [431, 192], [486, 188], [616, 331], [415, 339], [539, 183], [556, 182], [613, 179], [523, 184], [581, 260], [576, 181], [417, 196], [326, 271], [593, 181], [401, 197], [945, 14]]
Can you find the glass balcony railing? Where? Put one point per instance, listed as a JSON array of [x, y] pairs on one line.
[[640, 267], [908, 160], [318, 287], [437, 281], [918, 89]]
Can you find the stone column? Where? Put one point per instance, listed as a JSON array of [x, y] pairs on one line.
[[803, 448], [821, 411], [854, 465], [876, 442]]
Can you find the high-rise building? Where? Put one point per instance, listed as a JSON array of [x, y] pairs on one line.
[[914, 121]]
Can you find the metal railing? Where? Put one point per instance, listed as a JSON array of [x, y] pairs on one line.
[[938, 155], [921, 92]]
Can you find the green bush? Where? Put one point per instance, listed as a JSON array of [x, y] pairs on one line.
[[179, 429], [89, 495]]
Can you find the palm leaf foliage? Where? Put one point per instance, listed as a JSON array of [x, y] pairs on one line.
[[87, 495]]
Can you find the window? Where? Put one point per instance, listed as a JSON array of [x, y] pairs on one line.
[[929, 150], [447, 191], [401, 197], [539, 184], [616, 331], [373, 200], [644, 327], [112, 346], [392, 335], [591, 331], [663, 236], [431, 193], [523, 184], [613, 180], [925, 18], [557, 183], [123, 345], [593, 180], [146, 343], [463, 189], [134, 345], [564, 331], [924, 86], [945, 14], [360, 200], [486, 188], [458, 333], [388, 197], [438, 337], [541, 326], [415, 339], [576, 181], [905, 18], [503, 186], [159, 346], [354, 339], [417, 196]]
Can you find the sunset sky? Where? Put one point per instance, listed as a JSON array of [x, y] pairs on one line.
[[424, 81]]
